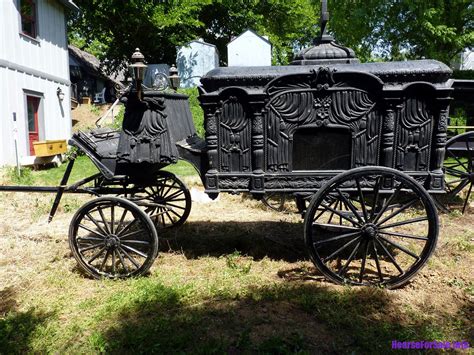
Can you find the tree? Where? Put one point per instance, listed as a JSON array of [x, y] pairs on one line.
[[399, 29], [111, 29]]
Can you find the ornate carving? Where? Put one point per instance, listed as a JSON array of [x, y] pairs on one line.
[[234, 183], [145, 136], [414, 135], [234, 136]]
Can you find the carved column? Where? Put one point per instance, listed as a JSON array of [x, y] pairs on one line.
[[257, 184], [210, 122], [439, 144], [440, 136], [388, 133]]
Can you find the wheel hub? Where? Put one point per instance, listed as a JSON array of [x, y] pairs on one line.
[[369, 231], [112, 242]]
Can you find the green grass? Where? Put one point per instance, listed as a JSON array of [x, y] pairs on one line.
[[196, 110]]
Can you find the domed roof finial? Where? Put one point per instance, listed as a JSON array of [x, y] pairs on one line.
[[325, 49]]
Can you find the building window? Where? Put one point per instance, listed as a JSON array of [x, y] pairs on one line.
[[28, 17]]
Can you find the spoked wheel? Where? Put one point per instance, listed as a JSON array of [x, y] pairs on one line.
[[275, 201], [167, 201], [112, 237], [371, 226], [459, 167]]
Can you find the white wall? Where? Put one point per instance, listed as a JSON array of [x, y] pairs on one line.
[[36, 66], [249, 50], [194, 60]]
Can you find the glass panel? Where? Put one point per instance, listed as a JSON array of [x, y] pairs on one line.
[[322, 149], [32, 107]]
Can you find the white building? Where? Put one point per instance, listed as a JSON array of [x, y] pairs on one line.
[[34, 76], [249, 49], [194, 60]]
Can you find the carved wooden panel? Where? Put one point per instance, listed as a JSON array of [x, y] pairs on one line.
[[317, 100], [234, 136], [415, 125]]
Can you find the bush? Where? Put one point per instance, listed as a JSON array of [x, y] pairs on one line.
[[196, 110]]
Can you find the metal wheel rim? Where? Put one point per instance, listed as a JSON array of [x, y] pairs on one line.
[[362, 232], [112, 237]]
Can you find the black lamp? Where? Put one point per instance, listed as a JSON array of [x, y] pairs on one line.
[[174, 77], [138, 69]]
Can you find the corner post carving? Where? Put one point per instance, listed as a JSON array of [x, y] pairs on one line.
[[388, 132], [210, 122], [440, 136], [257, 183]]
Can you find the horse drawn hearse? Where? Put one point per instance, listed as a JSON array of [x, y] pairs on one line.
[[360, 146]]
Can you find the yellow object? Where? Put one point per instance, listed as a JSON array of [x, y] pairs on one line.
[[48, 148]]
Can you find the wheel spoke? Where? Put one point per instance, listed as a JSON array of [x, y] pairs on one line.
[[122, 219], [347, 235], [335, 228], [92, 219], [455, 157], [133, 241], [349, 205], [91, 230], [376, 198], [173, 205], [349, 260], [90, 247], [390, 256], [377, 262], [340, 214], [113, 261], [396, 245], [129, 248], [467, 199], [364, 258], [112, 219], [104, 220], [401, 235], [393, 214], [122, 261], [132, 234], [105, 260], [96, 255], [362, 202], [340, 249], [387, 204], [402, 223], [127, 227], [129, 257], [174, 194]]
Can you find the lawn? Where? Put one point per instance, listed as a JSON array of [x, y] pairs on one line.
[[234, 279]]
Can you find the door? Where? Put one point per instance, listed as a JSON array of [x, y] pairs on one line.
[[32, 104]]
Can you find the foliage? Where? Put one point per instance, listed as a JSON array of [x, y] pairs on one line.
[[196, 110], [397, 30], [463, 74], [22, 177]]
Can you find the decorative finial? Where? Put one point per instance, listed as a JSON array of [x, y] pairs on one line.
[[324, 17]]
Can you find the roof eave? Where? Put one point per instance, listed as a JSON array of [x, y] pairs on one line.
[[70, 5]]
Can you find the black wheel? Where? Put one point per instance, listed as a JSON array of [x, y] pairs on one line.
[[112, 237], [167, 201], [275, 201], [459, 168], [371, 226]]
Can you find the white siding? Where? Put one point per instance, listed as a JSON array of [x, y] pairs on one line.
[[194, 60], [249, 49], [28, 65]]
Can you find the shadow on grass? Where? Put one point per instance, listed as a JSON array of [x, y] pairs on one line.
[[275, 240], [16, 328], [286, 318]]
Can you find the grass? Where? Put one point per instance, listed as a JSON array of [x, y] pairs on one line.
[[83, 167]]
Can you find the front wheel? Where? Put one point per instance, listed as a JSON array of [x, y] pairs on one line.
[[371, 226], [112, 237]]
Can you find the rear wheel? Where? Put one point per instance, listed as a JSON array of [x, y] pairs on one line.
[[459, 169], [167, 201], [112, 237], [371, 226]]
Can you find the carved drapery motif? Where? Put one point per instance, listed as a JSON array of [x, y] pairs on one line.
[[319, 101], [414, 135], [145, 136], [234, 136]]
